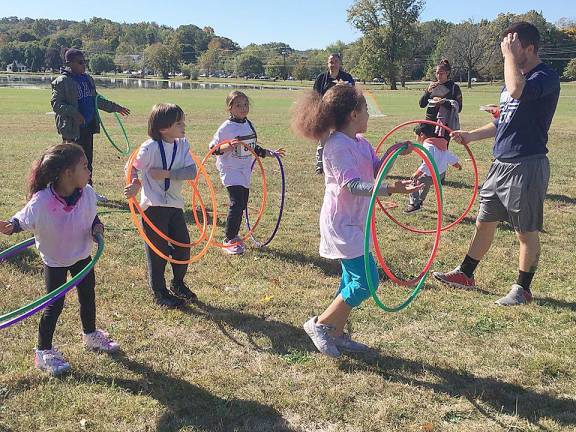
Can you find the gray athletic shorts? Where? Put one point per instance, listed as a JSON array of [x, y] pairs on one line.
[[514, 191]]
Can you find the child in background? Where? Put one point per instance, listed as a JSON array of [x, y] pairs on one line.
[[438, 148], [165, 162], [73, 95], [350, 165], [234, 163], [62, 215]]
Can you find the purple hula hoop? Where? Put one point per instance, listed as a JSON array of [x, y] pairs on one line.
[[49, 301], [259, 244]]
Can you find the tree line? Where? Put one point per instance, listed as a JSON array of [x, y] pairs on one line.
[[394, 47]]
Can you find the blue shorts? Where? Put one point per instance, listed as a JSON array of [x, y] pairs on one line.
[[354, 285]]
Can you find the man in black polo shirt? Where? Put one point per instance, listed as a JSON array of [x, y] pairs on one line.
[[517, 181], [323, 82]]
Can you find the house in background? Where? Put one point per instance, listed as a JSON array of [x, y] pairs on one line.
[[16, 66]]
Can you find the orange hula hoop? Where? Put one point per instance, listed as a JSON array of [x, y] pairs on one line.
[[264, 196], [135, 207]]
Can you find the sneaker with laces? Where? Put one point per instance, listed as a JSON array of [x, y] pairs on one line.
[[456, 279], [51, 361], [516, 296], [234, 246], [345, 343], [99, 340], [320, 335], [179, 289], [412, 208]]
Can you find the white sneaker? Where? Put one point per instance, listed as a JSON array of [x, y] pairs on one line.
[[51, 361], [320, 335], [345, 343], [100, 341], [234, 246]]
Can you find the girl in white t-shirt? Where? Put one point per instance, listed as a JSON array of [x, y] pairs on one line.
[[165, 163], [234, 163], [62, 215], [350, 165]]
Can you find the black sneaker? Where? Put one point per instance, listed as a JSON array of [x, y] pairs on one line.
[[179, 289], [164, 298], [412, 208]]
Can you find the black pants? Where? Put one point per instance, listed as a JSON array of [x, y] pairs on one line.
[[55, 277], [238, 203], [170, 221], [86, 141]]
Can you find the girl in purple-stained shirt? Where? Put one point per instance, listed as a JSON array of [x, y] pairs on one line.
[[350, 165], [62, 215]]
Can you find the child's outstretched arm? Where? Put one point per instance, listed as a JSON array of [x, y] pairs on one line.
[[10, 227], [362, 188], [109, 106]]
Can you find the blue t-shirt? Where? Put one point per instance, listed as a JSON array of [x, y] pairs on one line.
[[522, 128], [85, 98]]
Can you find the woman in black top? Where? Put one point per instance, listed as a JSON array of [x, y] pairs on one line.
[[442, 90]]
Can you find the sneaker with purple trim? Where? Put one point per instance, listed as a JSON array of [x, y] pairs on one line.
[[345, 343], [99, 340], [51, 361], [456, 279], [516, 296], [234, 246], [320, 335]]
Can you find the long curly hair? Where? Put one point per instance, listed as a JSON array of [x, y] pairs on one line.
[[314, 115]]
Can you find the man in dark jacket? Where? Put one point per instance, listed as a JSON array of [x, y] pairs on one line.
[[323, 82]]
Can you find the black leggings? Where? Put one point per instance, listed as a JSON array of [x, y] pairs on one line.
[[170, 221], [238, 202], [55, 277]]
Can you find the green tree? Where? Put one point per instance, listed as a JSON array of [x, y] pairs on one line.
[[248, 64], [386, 21], [471, 46], [102, 63], [570, 70], [160, 58], [209, 60], [300, 70]]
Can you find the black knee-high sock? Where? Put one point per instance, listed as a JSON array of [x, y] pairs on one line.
[[469, 265], [525, 279]]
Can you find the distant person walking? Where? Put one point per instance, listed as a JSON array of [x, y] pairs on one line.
[[323, 82]]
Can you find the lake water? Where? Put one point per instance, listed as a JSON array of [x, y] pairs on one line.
[[43, 81]]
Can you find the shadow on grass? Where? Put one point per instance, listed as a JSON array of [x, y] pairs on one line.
[[186, 405], [26, 261], [561, 199], [285, 338], [554, 303], [502, 397], [328, 267], [115, 205]]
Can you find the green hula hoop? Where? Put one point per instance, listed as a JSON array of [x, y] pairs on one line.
[[119, 121], [44, 300], [367, 230]]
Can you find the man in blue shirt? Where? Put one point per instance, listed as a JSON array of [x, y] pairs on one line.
[[516, 184]]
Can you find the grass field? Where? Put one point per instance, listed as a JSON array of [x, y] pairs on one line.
[[240, 360]]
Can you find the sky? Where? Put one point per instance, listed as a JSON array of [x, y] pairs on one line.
[[301, 24]]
